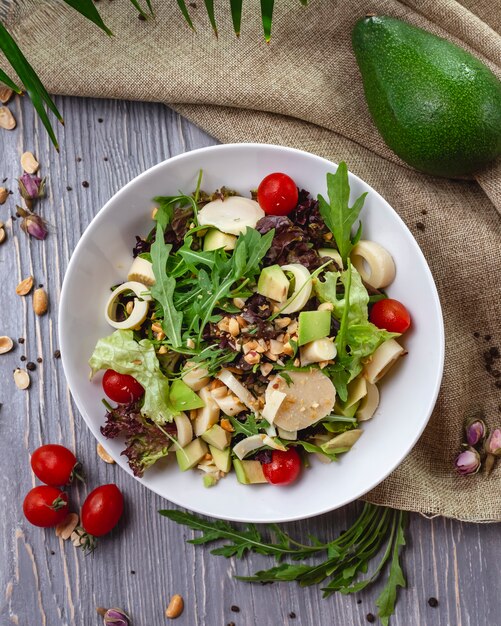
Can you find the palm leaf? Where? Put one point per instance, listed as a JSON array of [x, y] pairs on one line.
[[209, 5], [267, 17], [7, 81], [88, 10], [184, 11], [236, 15], [33, 85]]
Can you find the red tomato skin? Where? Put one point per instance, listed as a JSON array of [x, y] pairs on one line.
[[121, 388], [53, 464], [102, 509], [284, 468], [390, 315], [37, 506], [277, 194]]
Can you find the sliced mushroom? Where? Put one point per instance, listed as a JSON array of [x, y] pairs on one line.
[[374, 264], [382, 360], [310, 396]]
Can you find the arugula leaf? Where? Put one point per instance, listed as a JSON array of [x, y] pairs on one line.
[[343, 560], [247, 428], [163, 289], [387, 598], [337, 214], [120, 352]]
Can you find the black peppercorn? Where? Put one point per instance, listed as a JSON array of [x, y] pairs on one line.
[[433, 602]]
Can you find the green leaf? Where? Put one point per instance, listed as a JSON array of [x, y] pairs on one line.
[[267, 17], [209, 5], [34, 87], [120, 352], [7, 81], [88, 10], [328, 290], [142, 12], [236, 15], [163, 289], [184, 11], [387, 599], [337, 214], [247, 428]]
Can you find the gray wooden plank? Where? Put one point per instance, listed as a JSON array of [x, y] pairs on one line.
[[48, 582]]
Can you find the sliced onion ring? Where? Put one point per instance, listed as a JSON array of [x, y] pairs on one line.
[[140, 310]]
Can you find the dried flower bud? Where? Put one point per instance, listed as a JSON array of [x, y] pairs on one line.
[[493, 443], [467, 462], [34, 225], [31, 187], [475, 431], [116, 617]]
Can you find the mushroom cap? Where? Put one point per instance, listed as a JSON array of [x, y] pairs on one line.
[[309, 398]]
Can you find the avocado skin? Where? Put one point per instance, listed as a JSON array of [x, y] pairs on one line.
[[436, 106]]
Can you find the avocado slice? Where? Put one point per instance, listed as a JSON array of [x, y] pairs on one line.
[[217, 437], [340, 408], [215, 239], [273, 283], [191, 454], [313, 325], [221, 458], [183, 398], [249, 472], [436, 106]]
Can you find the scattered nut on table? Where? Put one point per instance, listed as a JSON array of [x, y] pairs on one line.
[[176, 607], [6, 344], [40, 301], [3, 235], [65, 528], [21, 378], [6, 94], [104, 455], [29, 163], [4, 194], [25, 286], [7, 120]]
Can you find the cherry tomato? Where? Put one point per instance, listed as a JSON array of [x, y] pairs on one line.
[[390, 315], [284, 467], [121, 388], [277, 194], [102, 509], [54, 465], [45, 506]]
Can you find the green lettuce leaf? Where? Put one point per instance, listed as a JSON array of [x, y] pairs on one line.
[[120, 352], [362, 340], [326, 291]]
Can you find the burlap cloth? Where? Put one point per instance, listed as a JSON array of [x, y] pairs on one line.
[[304, 90]]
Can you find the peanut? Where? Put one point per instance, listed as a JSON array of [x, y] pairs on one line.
[[175, 608], [4, 194], [3, 235], [6, 344], [226, 425], [29, 163], [6, 94], [40, 301], [25, 286], [104, 455], [7, 120], [65, 528], [21, 378]]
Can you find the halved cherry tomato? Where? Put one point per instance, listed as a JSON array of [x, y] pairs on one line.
[[390, 315], [284, 467], [102, 509], [45, 506], [54, 465], [277, 194], [121, 388]]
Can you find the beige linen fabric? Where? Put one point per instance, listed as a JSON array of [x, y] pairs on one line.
[[304, 90]]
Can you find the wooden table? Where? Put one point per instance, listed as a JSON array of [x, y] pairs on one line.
[[46, 581]]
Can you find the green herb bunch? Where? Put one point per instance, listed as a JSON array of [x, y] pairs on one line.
[[348, 564], [33, 86]]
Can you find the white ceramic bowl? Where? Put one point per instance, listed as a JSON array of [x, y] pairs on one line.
[[408, 393]]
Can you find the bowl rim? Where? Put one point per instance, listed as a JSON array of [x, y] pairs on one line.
[[63, 332]]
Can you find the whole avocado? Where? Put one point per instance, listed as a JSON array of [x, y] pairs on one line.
[[436, 106]]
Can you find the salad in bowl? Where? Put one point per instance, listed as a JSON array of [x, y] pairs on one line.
[[250, 333]]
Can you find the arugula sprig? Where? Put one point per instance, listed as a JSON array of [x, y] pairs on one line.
[[378, 534]]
